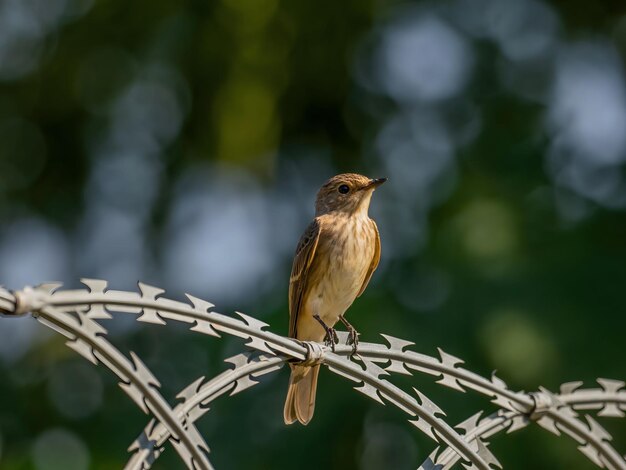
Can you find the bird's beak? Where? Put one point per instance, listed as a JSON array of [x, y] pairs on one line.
[[374, 183]]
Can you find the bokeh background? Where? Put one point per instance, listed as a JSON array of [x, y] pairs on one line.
[[182, 143]]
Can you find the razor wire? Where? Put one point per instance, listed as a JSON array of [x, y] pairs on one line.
[[73, 313], [609, 400]]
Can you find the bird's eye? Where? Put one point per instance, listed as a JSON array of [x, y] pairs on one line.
[[343, 189]]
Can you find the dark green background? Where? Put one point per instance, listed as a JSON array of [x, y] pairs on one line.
[[181, 143]]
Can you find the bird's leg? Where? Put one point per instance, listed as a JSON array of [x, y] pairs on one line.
[[331, 337], [353, 335]]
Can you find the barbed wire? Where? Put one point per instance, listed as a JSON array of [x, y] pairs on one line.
[[552, 412], [425, 411], [196, 399], [609, 401], [96, 300], [86, 337]]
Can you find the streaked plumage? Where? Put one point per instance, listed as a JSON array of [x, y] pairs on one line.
[[334, 261]]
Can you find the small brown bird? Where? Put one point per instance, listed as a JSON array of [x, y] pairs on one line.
[[333, 264]]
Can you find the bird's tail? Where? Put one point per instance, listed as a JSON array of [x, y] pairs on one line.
[[300, 402]]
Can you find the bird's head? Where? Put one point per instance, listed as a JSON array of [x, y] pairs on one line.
[[348, 192]]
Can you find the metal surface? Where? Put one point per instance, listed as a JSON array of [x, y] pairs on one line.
[[86, 337], [555, 414], [74, 314], [195, 400]]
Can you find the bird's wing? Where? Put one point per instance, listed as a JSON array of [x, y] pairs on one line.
[[375, 259], [305, 252]]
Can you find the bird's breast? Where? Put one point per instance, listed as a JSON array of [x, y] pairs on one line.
[[343, 257]]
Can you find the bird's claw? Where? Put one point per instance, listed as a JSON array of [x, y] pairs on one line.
[[331, 338], [353, 339], [353, 336]]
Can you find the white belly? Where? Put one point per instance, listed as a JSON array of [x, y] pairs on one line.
[[348, 262]]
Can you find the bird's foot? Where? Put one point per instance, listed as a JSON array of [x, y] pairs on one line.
[[331, 338], [353, 336]]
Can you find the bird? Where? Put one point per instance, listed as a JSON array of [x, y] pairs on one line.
[[333, 263]]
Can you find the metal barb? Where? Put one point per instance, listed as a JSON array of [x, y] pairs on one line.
[[136, 380], [8, 302], [556, 414], [196, 399], [73, 313]]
